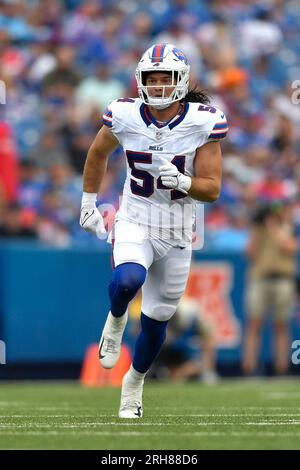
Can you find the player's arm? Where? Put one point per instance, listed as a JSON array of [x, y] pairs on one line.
[[96, 163], [94, 170], [206, 184]]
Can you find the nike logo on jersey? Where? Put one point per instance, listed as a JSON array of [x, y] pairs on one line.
[[222, 116], [86, 216], [156, 148]]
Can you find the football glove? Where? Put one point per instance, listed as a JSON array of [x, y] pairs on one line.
[[90, 218], [173, 179]]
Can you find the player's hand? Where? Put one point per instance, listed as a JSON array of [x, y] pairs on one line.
[[173, 179], [90, 218]]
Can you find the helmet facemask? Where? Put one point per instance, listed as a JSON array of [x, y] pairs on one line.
[[180, 82]]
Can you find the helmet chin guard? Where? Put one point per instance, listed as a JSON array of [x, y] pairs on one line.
[[163, 58]]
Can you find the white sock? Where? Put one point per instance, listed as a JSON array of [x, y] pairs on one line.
[[115, 323], [134, 378]]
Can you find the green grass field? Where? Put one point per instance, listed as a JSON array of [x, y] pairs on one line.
[[236, 414]]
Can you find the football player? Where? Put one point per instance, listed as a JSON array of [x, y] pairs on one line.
[[170, 136]]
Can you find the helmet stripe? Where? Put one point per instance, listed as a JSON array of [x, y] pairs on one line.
[[158, 53]]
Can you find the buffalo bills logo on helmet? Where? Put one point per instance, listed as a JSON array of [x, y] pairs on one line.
[[180, 55]]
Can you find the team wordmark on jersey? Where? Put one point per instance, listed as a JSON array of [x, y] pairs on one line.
[[155, 148]]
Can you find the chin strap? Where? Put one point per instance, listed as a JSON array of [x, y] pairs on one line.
[[160, 106]]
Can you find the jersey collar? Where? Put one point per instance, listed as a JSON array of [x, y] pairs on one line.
[[149, 119]]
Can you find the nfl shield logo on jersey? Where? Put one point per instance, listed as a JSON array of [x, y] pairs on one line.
[[159, 135]]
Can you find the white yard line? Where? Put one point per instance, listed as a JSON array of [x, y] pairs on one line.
[[229, 415], [170, 415], [228, 408], [144, 433], [198, 415], [69, 425]]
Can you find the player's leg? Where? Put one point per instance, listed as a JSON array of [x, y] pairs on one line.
[[282, 346], [165, 284], [258, 299], [132, 261], [126, 281], [283, 302]]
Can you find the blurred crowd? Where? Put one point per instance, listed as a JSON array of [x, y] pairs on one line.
[[62, 62]]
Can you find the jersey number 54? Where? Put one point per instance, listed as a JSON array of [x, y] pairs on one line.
[[146, 187]]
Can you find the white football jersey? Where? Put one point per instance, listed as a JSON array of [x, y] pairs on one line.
[[166, 214]]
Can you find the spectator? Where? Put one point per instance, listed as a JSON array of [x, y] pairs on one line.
[[260, 35], [189, 351], [14, 224], [272, 252], [59, 84], [98, 91]]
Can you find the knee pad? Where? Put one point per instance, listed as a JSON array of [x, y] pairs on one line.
[[164, 287], [162, 311], [126, 281], [173, 285]]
